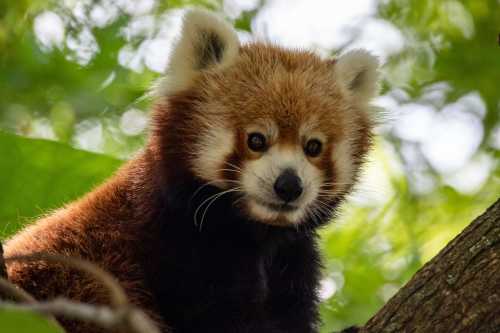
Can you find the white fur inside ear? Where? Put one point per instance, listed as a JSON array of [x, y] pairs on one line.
[[206, 41], [358, 73]]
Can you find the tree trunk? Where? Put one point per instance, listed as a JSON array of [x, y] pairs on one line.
[[457, 291]]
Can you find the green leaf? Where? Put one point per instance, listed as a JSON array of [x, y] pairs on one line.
[[63, 120], [37, 175], [25, 322]]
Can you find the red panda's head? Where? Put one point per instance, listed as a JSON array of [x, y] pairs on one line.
[[283, 129]]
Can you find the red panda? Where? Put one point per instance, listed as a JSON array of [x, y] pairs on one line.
[[212, 227]]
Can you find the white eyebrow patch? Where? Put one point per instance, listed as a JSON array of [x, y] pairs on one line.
[[309, 130], [266, 127]]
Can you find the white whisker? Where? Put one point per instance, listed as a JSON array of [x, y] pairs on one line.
[[210, 201], [211, 183]]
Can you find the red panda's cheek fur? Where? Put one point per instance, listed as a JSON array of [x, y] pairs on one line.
[[350, 151], [234, 161], [194, 140], [174, 132], [362, 142]]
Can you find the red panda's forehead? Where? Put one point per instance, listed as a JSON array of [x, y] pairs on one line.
[[286, 88]]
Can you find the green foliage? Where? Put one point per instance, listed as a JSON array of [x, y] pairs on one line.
[[453, 41], [23, 322], [38, 175]]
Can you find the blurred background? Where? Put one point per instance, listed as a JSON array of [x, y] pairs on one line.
[[74, 76]]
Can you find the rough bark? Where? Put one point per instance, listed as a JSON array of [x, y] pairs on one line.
[[457, 291]]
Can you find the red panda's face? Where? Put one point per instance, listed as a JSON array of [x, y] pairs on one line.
[[284, 131]]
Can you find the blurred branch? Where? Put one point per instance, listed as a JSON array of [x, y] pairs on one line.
[[102, 316], [117, 295], [121, 315], [11, 291]]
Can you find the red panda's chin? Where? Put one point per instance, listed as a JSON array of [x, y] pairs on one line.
[[273, 214]]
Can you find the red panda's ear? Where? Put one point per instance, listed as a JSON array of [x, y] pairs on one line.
[[206, 41], [358, 72]]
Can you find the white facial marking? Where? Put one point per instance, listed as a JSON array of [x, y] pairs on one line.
[[258, 179], [309, 130], [210, 153], [263, 212], [268, 129]]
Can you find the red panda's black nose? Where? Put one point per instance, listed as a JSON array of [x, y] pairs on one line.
[[288, 185]]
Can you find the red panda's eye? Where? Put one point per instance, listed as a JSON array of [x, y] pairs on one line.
[[257, 142], [313, 148]]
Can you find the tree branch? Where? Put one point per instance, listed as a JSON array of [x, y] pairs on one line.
[[457, 291], [103, 316], [117, 295], [121, 315], [11, 291], [100, 315]]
